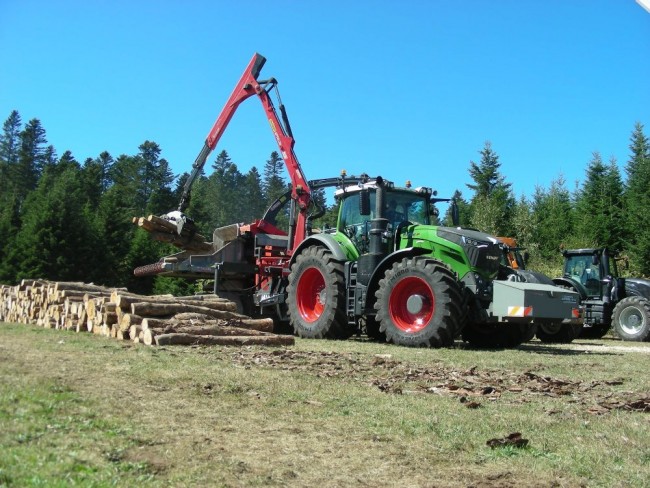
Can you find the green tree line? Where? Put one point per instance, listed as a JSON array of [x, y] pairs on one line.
[[605, 209], [61, 219]]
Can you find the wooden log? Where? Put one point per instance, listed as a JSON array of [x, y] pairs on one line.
[[109, 318], [124, 301], [79, 286], [189, 339], [122, 335], [262, 325], [222, 329], [134, 332], [129, 319], [182, 242], [151, 309], [154, 323], [171, 226]]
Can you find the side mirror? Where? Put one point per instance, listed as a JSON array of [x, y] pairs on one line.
[[526, 257], [455, 213], [364, 202]]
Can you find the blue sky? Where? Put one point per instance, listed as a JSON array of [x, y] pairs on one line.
[[407, 89]]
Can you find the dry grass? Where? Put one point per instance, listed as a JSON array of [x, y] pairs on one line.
[[79, 409]]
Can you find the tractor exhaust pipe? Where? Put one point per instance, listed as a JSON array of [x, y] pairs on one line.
[[377, 244]]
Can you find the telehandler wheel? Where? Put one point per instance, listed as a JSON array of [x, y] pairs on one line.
[[557, 332], [631, 319], [494, 336], [316, 296], [419, 303]]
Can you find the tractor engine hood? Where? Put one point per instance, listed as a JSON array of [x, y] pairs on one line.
[[483, 250], [637, 286]]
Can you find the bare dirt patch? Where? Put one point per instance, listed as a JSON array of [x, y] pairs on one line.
[[471, 386]]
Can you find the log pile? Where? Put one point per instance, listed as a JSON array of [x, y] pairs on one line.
[[150, 320], [164, 230]]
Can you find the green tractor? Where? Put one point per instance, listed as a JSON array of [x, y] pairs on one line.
[[386, 270]]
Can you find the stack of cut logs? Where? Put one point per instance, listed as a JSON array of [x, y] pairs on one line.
[[163, 230], [114, 312]]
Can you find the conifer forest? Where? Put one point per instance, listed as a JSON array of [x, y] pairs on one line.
[[68, 220]]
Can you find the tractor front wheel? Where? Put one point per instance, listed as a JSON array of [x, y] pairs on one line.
[[316, 296], [631, 319], [419, 303]]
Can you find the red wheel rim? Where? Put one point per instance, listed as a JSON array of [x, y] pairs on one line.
[[310, 296], [411, 304]]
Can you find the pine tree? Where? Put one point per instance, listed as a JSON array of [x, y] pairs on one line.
[[255, 203], [154, 180], [599, 205], [31, 158], [492, 204], [9, 150], [226, 187], [637, 200], [552, 215], [58, 240], [275, 185]]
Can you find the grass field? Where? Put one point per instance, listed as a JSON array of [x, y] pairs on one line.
[[83, 410]]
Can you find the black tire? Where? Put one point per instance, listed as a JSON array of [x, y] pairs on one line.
[[631, 319], [557, 332], [419, 303], [372, 329], [496, 336], [316, 296]]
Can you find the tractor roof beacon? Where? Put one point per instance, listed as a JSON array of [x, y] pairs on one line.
[[384, 269]]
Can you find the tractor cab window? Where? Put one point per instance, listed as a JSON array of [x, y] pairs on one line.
[[583, 270], [350, 213], [406, 207], [398, 207]]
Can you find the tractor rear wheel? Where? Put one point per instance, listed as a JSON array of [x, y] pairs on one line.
[[419, 303], [631, 319], [316, 296], [557, 332]]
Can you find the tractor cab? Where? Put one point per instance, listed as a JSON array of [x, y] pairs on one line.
[[400, 207], [591, 268]]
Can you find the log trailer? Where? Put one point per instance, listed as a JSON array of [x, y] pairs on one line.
[[384, 269]]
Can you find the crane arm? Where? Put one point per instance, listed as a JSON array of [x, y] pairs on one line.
[[245, 88]]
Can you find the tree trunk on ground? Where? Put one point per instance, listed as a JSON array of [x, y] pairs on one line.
[[189, 339]]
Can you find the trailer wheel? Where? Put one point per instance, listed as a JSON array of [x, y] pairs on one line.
[[631, 319], [557, 332], [419, 303], [494, 336], [316, 296]]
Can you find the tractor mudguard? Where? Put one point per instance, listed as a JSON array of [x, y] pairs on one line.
[[322, 240], [387, 262], [637, 286]]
